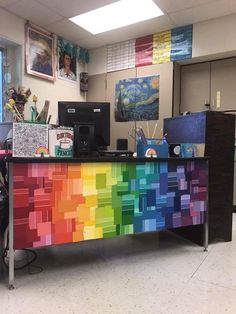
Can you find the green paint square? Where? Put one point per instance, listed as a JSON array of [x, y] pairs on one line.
[[101, 181], [117, 215], [125, 176], [127, 229], [128, 217]]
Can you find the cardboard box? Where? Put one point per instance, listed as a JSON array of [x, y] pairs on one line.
[[61, 142], [29, 139]]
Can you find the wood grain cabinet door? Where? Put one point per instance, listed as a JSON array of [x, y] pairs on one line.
[[195, 87], [223, 83]]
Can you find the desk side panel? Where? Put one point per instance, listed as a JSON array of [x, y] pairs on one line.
[[69, 202]]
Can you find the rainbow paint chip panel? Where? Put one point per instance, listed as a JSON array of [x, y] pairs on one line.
[[69, 202]]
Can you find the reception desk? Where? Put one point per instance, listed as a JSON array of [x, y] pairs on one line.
[[55, 201]]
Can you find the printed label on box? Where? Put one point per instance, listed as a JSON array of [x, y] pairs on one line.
[[61, 143]]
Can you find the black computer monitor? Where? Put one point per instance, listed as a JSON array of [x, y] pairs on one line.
[[71, 113]]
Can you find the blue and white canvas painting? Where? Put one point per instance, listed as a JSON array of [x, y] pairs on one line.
[[181, 43], [137, 99]]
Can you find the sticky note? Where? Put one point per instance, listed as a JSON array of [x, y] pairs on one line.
[[218, 99]]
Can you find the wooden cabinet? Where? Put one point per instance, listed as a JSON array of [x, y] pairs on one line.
[[216, 130], [195, 87], [212, 82]]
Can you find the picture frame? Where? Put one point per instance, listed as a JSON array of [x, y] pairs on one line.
[[67, 62], [39, 53]]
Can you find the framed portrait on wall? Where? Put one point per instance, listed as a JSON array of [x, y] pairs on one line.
[[39, 53], [67, 60]]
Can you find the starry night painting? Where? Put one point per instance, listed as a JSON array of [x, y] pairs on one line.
[[137, 99]]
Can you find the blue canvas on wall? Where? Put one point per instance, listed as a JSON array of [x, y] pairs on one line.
[[137, 99], [181, 43]]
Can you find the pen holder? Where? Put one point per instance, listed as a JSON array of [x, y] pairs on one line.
[[152, 148]]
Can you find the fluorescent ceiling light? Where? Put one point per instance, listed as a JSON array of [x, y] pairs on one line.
[[116, 15]]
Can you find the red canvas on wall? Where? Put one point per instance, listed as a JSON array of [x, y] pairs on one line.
[[143, 51]]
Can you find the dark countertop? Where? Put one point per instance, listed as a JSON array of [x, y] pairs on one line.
[[95, 159]]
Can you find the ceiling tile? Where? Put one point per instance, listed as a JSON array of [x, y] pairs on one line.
[[204, 12], [5, 3], [34, 12], [68, 30], [170, 6], [137, 30], [70, 8], [72, 32], [52, 15], [90, 42]]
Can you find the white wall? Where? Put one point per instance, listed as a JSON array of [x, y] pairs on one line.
[[211, 39], [215, 36], [52, 91], [12, 29], [45, 90], [98, 59]]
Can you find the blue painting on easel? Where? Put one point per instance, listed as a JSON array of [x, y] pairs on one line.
[[137, 99]]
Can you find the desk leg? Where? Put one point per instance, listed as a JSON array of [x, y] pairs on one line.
[[11, 229], [206, 230], [1, 254]]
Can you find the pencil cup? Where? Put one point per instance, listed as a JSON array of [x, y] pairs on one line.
[[152, 149]]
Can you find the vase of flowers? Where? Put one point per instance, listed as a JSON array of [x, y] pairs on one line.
[[16, 102]]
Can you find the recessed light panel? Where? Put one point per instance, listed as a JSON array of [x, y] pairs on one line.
[[117, 15]]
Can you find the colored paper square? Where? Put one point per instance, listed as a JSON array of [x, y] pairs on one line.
[[161, 47], [44, 228], [143, 51]]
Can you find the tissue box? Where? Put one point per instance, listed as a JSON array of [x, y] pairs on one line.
[[61, 142], [29, 140], [152, 149]]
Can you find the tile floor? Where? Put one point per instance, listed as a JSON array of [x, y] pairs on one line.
[[149, 273]]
